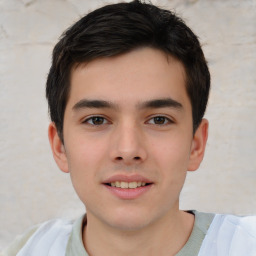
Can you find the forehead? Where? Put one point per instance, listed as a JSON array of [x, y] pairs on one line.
[[140, 75]]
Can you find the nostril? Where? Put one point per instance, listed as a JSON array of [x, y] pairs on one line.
[[119, 158], [136, 158]]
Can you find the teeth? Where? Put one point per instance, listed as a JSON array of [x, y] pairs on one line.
[[123, 184], [132, 185]]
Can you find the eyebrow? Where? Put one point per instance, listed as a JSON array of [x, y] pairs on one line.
[[156, 103], [161, 103], [84, 103]]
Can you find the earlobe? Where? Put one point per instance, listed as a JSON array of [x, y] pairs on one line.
[[58, 149], [198, 146]]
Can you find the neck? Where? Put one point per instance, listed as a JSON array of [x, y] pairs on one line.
[[166, 237]]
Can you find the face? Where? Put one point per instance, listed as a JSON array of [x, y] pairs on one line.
[[128, 138]]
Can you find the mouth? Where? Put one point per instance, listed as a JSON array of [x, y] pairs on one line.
[[128, 185], [128, 190]]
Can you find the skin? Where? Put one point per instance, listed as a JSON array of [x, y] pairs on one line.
[[128, 139]]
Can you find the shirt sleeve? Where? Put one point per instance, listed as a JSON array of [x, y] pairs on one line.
[[19, 242]]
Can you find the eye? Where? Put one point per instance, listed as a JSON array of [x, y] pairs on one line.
[[160, 120], [96, 120]]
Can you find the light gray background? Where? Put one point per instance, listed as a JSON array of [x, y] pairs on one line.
[[34, 190]]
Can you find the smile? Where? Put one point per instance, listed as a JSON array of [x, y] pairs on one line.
[[128, 187], [128, 190], [123, 184]]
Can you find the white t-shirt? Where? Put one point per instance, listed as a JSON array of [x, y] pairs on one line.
[[212, 235]]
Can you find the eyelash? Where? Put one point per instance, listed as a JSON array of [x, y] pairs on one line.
[[166, 120], [87, 120], [105, 121]]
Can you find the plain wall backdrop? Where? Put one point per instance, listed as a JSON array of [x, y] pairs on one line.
[[34, 190]]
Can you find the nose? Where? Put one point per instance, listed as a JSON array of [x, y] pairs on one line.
[[128, 145]]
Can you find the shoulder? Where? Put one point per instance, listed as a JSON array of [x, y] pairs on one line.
[[245, 225], [43, 237], [230, 235], [19, 242]]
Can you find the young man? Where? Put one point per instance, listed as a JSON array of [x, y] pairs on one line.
[[127, 92]]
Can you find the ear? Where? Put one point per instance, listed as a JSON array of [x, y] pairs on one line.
[[58, 149], [198, 146]]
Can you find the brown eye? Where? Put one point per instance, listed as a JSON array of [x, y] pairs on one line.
[[96, 120], [160, 120]]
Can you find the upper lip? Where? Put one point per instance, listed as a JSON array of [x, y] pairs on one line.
[[127, 178]]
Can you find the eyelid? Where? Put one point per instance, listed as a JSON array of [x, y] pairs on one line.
[[85, 120], [167, 118]]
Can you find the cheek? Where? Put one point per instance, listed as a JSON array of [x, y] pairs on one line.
[[84, 161], [85, 157], [85, 151], [172, 153]]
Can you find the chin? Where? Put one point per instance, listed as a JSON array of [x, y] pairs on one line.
[[129, 220]]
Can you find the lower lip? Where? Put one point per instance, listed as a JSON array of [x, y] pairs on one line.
[[128, 193]]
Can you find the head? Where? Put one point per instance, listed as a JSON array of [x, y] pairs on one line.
[[118, 29], [127, 91]]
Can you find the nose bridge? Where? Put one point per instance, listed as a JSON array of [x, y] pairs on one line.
[[128, 142]]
